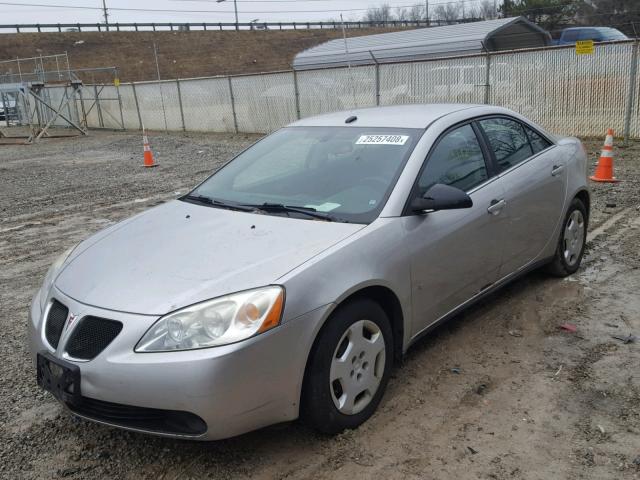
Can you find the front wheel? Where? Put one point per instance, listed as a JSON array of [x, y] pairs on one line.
[[348, 368], [573, 239]]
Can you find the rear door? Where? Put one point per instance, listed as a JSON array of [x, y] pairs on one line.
[[455, 253], [534, 179]]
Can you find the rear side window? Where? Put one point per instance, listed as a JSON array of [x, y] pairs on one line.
[[589, 34], [508, 141], [570, 35], [537, 142], [457, 160]]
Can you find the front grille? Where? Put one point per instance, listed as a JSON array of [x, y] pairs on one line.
[[55, 323], [140, 418], [91, 337]]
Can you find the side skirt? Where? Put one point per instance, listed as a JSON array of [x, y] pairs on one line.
[[479, 296]]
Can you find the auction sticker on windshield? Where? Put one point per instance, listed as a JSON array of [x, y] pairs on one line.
[[382, 140]]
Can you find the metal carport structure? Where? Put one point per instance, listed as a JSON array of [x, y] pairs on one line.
[[423, 43]]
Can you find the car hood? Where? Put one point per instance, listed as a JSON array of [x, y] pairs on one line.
[[179, 254]]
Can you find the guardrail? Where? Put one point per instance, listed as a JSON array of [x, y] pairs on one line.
[[155, 26]]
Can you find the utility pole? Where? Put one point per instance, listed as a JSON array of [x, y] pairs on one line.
[[235, 9], [426, 15], [106, 13], [346, 51]]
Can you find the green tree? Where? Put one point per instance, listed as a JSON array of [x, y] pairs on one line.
[[549, 14], [621, 14]]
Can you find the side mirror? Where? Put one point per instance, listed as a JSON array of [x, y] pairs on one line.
[[441, 197]]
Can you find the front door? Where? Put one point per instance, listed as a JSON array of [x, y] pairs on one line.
[[455, 253], [534, 178]]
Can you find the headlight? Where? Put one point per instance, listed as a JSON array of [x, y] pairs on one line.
[[220, 321], [51, 275]]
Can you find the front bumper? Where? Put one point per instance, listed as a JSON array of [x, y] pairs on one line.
[[233, 389]]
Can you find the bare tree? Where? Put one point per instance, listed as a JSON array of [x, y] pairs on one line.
[[448, 12], [402, 14], [412, 14], [487, 9], [379, 14]]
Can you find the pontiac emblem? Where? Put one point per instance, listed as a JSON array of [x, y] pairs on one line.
[[72, 318]]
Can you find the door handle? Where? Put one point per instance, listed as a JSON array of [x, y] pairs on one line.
[[496, 206], [557, 170]]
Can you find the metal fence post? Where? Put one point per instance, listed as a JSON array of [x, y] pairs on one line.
[[184, 125], [66, 96], [297, 93], [135, 98], [120, 105], [98, 108], [377, 78], [631, 99], [487, 80], [75, 105], [233, 106], [84, 110]]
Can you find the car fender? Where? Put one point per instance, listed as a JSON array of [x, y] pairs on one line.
[[374, 257]]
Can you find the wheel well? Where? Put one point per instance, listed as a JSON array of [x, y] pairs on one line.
[[583, 196], [391, 306]]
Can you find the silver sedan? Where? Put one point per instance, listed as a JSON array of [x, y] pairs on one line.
[[289, 282]]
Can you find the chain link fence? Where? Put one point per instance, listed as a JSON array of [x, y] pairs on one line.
[[564, 92], [207, 105], [264, 103]]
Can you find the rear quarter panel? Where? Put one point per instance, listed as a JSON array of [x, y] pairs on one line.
[[575, 157], [577, 166]]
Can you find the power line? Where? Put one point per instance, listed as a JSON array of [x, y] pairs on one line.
[[124, 9], [544, 10], [167, 10], [305, 1]]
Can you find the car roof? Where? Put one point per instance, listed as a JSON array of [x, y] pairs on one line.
[[399, 116], [592, 28]]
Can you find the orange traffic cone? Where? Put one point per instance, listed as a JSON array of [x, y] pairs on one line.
[[148, 154], [604, 170]]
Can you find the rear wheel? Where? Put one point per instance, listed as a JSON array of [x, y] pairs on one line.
[[573, 239], [348, 368]]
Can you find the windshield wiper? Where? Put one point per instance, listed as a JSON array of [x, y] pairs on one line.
[[309, 211], [203, 199]]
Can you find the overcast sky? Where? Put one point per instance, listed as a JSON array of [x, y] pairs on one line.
[[264, 10]]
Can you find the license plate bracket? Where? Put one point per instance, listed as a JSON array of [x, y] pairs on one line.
[[59, 377]]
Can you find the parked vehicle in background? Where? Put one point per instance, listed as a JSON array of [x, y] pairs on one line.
[[572, 35], [8, 108], [289, 282]]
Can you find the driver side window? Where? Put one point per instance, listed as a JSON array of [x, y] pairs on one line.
[[457, 160]]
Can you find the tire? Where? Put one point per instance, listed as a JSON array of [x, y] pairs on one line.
[[572, 241], [366, 362]]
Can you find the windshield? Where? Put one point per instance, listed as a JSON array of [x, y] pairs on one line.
[[345, 172], [612, 34]]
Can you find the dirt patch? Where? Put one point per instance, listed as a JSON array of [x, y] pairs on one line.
[[497, 393]]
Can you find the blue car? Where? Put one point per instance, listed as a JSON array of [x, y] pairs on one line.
[[570, 36]]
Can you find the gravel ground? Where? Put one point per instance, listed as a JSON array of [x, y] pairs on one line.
[[528, 401]]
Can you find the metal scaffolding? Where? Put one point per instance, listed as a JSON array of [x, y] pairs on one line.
[[41, 93]]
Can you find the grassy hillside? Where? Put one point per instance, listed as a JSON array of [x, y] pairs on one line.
[[181, 54]]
